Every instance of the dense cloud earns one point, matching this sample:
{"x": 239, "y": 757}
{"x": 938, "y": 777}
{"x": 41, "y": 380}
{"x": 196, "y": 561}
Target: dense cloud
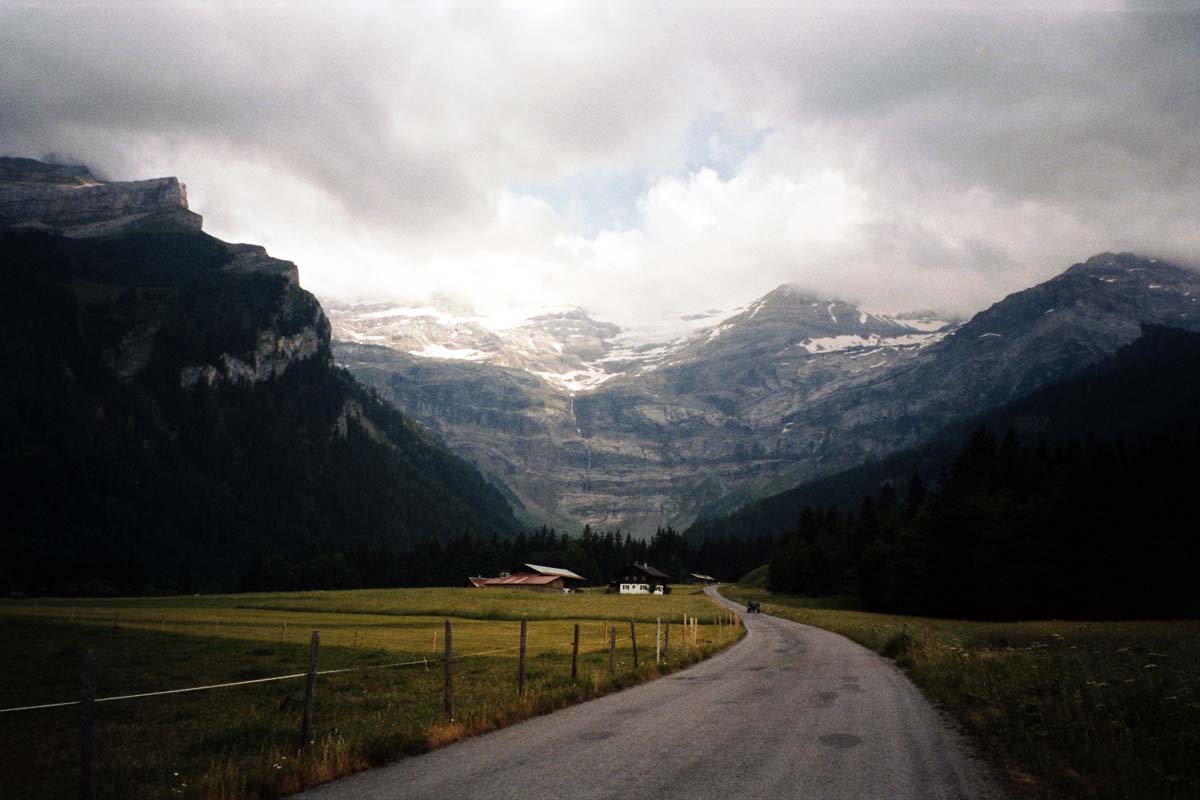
{"x": 632, "y": 159}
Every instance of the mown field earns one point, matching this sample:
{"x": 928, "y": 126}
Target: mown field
{"x": 243, "y": 742}
{"x": 1064, "y": 709}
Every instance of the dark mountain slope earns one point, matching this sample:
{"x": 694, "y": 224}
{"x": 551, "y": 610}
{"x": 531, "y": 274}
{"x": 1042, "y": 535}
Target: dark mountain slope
{"x": 1150, "y": 387}
{"x": 169, "y": 411}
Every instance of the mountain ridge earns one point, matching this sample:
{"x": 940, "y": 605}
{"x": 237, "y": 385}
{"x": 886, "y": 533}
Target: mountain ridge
{"x": 788, "y": 388}
{"x": 1159, "y": 367}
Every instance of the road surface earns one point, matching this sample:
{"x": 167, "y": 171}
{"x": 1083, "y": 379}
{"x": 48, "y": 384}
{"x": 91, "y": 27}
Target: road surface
{"x": 789, "y": 712}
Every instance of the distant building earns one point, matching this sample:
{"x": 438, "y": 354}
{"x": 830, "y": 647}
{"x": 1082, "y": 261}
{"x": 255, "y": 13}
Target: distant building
{"x": 642, "y": 579}
{"x": 697, "y": 577}
{"x": 538, "y": 579}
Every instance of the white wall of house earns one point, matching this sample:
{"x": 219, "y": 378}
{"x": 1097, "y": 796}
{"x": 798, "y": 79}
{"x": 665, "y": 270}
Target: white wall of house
{"x": 640, "y": 588}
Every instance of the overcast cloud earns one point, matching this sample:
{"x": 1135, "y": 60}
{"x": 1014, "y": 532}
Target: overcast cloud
{"x": 631, "y": 159}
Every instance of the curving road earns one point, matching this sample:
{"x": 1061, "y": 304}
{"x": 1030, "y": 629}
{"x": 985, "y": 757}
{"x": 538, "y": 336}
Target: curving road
{"x": 791, "y": 711}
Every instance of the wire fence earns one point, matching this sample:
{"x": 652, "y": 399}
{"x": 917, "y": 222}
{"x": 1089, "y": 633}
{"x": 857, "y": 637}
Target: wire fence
{"x": 87, "y": 701}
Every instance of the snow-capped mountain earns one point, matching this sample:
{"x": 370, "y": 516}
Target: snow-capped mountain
{"x": 557, "y": 344}
{"x": 588, "y": 423}
{"x": 575, "y": 353}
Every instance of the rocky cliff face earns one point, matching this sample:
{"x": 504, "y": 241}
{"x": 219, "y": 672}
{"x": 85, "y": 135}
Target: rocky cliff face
{"x": 172, "y": 417}
{"x": 642, "y": 433}
{"x": 71, "y": 200}
{"x": 789, "y": 388}
{"x": 272, "y": 354}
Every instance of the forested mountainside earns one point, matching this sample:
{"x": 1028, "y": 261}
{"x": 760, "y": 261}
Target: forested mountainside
{"x": 1073, "y": 501}
{"x": 1145, "y": 388}
{"x": 171, "y": 413}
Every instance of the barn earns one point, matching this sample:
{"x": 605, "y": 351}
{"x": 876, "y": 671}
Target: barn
{"x": 642, "y": 579}
{"x": 536, "y": 579}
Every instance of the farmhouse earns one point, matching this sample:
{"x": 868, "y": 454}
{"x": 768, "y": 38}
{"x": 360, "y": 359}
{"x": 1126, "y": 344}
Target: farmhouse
{"x": 537, "y": 579}
{"x": 642, "y": 579}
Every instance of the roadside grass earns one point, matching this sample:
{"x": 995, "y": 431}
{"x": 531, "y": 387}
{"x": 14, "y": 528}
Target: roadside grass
{"x": 1064, "y": 709}
{"x": 242, "y": 742}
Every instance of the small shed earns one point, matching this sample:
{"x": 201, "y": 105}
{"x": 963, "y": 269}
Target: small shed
{"x": 642, "y": 579}
{"x": 537, "y": 579}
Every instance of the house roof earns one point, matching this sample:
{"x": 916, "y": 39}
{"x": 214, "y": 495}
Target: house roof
{"x": 556, "y": 571}
{"x": 646, "y": 569}
{"x": 520, "y": 579}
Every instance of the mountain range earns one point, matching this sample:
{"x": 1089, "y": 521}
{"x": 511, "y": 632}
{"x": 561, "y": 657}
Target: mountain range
{"x": 590, "y": 424}
{"x": 177, "y": 415}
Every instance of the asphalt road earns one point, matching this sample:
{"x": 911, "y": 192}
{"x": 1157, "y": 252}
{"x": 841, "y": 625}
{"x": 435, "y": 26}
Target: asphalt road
{"x": 790, "y": 712}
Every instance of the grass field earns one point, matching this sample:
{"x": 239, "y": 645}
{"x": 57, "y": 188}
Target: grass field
{"x": 242, "y": 742}
{"x": 1065, "y": 709}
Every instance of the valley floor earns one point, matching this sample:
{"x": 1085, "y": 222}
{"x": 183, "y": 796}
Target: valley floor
{"x": 1064, "y": 709}
{"x": 241, "y": 741}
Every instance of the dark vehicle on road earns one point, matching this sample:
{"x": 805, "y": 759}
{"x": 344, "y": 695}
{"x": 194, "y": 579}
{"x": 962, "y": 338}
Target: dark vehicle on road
{"x": 753, "y": 607}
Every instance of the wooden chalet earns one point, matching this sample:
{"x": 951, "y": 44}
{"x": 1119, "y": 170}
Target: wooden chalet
{"x": 537, "y": 579}
{"x": 642, "y": 579}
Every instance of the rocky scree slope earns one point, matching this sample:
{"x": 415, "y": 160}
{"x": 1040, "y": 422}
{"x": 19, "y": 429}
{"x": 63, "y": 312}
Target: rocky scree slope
{"x": 171, "y": 410}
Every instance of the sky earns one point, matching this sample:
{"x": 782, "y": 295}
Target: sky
{"x": 637, "y": 159}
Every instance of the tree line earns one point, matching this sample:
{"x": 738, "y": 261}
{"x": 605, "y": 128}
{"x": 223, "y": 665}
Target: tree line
{"x": 598, "y": 556}
{"x": 1081, "y": 528}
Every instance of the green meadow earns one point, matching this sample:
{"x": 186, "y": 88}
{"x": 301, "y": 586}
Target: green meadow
{"x": 1063, "y": 709}
{"x": 243, "y": 741}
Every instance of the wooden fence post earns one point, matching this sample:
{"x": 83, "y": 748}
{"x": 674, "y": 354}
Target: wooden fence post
{"x": 575, "y": 656}
{"x": 667, "y": 640}
{"x": 310, "y": 688}
{"x": 633, "y": 638}
{"x": 612, "y": 650}
{"x": 87, "y": 710}
{"x": 449, "y": 698}
{"x": 658, "y": 641}
{"x": 521, "y": 663}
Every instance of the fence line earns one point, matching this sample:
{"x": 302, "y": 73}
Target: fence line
{"x": 294, "y": 676}
{"x": 253, "y": 680}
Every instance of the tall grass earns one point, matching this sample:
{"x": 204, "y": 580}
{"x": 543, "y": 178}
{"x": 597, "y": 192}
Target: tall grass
{"x": 242, "y": 742}
{"x": 1065, "y": 709}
